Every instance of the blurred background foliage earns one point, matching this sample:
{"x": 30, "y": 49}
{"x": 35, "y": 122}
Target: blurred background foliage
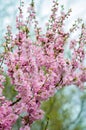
{"x": 67, "y": 109}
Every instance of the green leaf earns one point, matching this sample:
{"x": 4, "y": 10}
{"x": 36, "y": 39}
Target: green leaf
{"x": 44, "y": 69}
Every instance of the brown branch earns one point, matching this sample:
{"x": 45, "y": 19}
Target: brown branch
{"x": 12, "y": 104}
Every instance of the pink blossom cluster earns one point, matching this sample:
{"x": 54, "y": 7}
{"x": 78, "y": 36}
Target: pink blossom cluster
{"x": 38, "y": 68}
{"x": 7, "y": 115}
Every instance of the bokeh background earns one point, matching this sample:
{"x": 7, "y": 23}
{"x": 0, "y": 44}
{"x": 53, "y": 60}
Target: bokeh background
{"x": 72, "y": 108}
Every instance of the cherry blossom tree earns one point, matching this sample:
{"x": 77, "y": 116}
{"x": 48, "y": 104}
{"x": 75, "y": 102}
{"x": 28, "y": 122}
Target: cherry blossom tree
{"x": 38, "y": 68}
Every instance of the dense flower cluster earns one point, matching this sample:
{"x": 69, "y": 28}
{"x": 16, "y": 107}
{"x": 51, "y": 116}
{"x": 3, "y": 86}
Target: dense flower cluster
{"x": 38, "y": 68}
{"x": 7, "y": 115}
